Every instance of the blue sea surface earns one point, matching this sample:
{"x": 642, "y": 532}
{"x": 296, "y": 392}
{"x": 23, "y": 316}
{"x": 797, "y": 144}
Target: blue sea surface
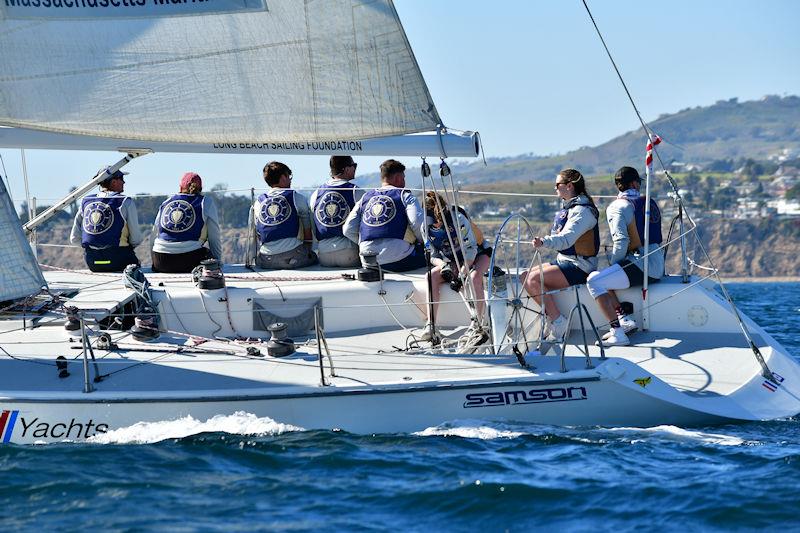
{"x": 245, "y": 474}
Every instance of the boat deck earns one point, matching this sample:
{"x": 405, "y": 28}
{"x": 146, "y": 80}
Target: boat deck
{"x": 365, "y": 357}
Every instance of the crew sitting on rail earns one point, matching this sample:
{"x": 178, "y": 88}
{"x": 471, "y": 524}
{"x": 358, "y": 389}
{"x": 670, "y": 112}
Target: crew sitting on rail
{"x": 626, "y": 216}
{"x": 107, "y": 226}
{"x": 444, "y": 238}
{"x": 184, "y": 222}
{"x": 330, "y": 205}
{"x": 283, "y": 222}
{"x": 387, "y": 222}
{"x": 576, "y": 237}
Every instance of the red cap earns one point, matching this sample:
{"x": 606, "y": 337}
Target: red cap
{"x": 191, "y": 177}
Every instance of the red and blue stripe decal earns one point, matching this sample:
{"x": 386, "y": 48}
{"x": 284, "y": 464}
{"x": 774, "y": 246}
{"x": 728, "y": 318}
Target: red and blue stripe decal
{"x": 772, "y": 385}
{"x": 7, "y": 421}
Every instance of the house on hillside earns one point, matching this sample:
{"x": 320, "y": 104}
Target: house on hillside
{"x": 785, "y": 208}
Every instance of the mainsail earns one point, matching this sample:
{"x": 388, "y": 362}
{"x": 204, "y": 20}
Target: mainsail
{"x": 230, "y": 71}
{"x": 20, "y": 275}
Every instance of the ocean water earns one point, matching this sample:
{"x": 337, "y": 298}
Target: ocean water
{"x": 242, "y": 473}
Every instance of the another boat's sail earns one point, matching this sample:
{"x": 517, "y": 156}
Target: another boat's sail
{"x": 284, "y": 70}
{"x": 19, "y": 273}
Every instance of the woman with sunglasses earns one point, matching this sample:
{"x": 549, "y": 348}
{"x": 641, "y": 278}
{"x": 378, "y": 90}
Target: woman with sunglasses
{"x": 576, "y": 237}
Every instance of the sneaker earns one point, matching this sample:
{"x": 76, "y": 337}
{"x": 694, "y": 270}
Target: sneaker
{"x": 558, "y": 327}
{"x": 617, "y": 337}
{"x": 627, "y": 323}
{"x": 430, "y": 334}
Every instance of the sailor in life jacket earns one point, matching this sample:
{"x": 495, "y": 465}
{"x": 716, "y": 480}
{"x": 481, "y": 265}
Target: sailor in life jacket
{"x": 387, "y": 222}
{"x": 626, "y": 222}
{"x": 576, "y": 237}
{"x": 107, "y": 226}
{"x": 185, "y": 221}
{"x": 330, "y": 206}
{"x": 282, "y": 221}
{"x": 455, "y": 247}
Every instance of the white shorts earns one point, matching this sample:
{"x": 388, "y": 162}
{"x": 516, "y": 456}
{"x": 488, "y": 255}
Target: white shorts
{"x": 611, "y": 278}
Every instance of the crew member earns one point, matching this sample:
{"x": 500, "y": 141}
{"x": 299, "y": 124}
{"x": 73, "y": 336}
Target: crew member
{"x": 576, "y": 238}
{"x": 283, "y": 222}
{"x": 330, "y": 205}
{"x": 387, "y": 222}
{"x": 185, "y": 221}
{"x": 107, "y": 226}
{"x": 626, "y": 220}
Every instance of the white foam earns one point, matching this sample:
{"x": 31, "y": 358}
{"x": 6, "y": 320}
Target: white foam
{"x": 469, "y": 430}
{"x": 239, "y": 423}
{"x": 677, "y": 433}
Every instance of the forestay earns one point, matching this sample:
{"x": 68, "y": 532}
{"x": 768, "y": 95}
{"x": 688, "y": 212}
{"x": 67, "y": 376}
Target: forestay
{"x": 19, "y": 272}
{"x": 230, "y": 71}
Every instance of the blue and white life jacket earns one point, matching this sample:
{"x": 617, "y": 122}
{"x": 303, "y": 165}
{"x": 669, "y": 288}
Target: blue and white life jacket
{"x": 636, "y": 227}
{"x": 276, "y": 216}
{"x": 383, "y": 215}
{"x": 180, "y": 218}
{"x": 102, "y": 220}
{"x": 587, "y": 244}
{"x": 333, "y": 204}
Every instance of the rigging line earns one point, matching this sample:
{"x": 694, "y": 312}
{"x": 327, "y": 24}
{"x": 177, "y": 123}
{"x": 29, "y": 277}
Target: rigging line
{"x": 645, "y": 127}
{"x": 619, "y": 74}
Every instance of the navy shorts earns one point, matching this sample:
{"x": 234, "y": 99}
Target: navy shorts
{"x": 574, "y": 275}
{"x": 635, "y": 274}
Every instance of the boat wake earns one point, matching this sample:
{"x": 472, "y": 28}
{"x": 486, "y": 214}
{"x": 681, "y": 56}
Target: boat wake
{"x": 675, "y": 433}
{"x": 239, "y": 423}
{"x": 486, "y": 430}
{"x": 470, "y": 429}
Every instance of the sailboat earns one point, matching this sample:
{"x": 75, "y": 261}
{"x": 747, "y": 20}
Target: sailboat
{"x": 83, "y": 354}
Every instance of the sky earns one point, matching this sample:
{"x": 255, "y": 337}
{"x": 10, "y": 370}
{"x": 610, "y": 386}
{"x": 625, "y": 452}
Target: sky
{"x": 530, "y": 76}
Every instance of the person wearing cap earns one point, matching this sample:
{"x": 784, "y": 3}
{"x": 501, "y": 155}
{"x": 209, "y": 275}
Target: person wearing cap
{"x": 185, "y": 221}
{"x": 626, "y": 222}
{"x": 387, "y": 222}
{"x": 330, "y": 205}
{"x": 107, "y": 226}
{"x": 282, "y": 220}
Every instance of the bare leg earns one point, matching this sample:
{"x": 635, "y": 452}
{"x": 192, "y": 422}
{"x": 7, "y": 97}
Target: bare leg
{"x": 608, "y": 303}
{"x": 553, "y": 279}
{"x": 479, "y": 268}
{"x": 436, "y": 286}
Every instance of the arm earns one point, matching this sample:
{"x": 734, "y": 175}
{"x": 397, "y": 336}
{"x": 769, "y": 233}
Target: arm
{"x": 212, "y": 225}
{"x": 618, "y": 226}
{"x": 304, "y": 212}
{"x": 351, "y": 224}
{"x": 76, "y": 235}
{"x": 132, "y": 219}
{"x": 579, "y": 221}
{"x": 415, "y": 214}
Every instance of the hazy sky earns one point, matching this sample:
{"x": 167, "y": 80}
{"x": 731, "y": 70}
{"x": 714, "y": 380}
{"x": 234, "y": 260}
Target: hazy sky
{"x": 531, "y": 76}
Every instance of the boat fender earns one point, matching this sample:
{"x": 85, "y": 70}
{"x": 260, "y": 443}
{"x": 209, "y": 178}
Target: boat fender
{"x": 280, "y": 345}
{"x": 61, "y": 366}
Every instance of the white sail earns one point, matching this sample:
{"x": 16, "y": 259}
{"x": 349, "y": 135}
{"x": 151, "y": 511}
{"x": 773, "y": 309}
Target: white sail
{"x": 284, "y": 71}
{"x": 20, "y": 275}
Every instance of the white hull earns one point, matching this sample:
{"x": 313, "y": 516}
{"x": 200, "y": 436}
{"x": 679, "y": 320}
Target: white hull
{"x": 667, "y": 377}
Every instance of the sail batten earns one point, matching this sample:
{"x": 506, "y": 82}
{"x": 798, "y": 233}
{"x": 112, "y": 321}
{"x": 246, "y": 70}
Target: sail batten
{"x": 293, "y": 72}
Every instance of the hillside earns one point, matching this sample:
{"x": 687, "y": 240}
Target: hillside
{"x": 726, "y": 130}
